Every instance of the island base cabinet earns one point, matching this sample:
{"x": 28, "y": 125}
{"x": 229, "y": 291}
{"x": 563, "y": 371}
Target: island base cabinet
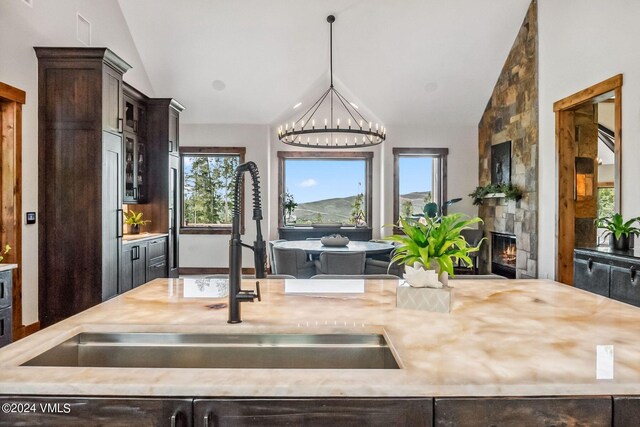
{"x": 83, "y": 412}
{"x": 626, "y": 411}
{"x": 313, "y": 412}
{"x": 530, "y": 412}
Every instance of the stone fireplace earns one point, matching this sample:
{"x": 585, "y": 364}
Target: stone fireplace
{"x": 512, "y": 115}
{"x": 503, "y": 254}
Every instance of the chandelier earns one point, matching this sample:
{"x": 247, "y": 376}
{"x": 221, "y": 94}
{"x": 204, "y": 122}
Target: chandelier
{"x": 342, "y": 125}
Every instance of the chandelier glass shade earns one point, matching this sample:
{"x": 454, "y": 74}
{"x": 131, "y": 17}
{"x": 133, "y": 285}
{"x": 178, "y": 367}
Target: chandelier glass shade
{"x": 332, "y": 121}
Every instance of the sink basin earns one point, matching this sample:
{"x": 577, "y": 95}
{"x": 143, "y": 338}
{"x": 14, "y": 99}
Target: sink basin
{"x": 260, "y": 351}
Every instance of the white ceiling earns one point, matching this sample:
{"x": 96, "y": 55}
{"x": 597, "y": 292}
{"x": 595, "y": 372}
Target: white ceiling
{"x": 409, "y": 62}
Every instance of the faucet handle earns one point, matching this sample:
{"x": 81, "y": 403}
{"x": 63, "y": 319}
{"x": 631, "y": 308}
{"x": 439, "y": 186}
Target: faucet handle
{"x": 258, "y": 290}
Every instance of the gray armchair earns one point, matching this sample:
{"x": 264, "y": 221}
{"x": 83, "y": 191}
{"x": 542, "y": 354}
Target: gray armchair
{"x": 377, "y": 266}
{"x": 293, "y": 262}
{"x": 341, "y": 263}
{"x": 272, "y": 259}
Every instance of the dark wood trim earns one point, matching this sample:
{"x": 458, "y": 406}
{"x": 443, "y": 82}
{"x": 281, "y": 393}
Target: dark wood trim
{"x": 11, "y": 100}
{"x": 439, "y": 153}
{"x": 206, "y": 230}
{"x": 565, "y": 165}
{"x": 593, "y": 94}
{"x": 186, "y": 271}
{"x": 231, "y": 151}
{"x": 606, "y": 184}
{"x": 13, "y": 94}
{"x": 325, "y": 154}
{"x": 25, "y": 330}
{"x": 319, "y": 155}
{"x": 242, "y": 151}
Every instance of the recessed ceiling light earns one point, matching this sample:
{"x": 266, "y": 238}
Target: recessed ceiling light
{"x": 218, "y": 85}
{"x": 354, "y": 105}
{"x": 297, "y": 105}
{"x": 431, "y": 87}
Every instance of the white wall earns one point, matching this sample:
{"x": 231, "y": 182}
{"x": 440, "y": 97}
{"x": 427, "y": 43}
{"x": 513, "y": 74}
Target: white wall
{"x": 212, "y": 250}
{"x": 51, "y": 23}
{"x": 583, "y": 43}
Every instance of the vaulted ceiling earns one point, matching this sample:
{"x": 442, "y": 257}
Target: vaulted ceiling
{"x": 409, "y": 62}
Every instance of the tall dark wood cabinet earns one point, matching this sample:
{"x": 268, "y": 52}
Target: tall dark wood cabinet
{"x": 163, "y": 115}
{"x": 80, "y": 116}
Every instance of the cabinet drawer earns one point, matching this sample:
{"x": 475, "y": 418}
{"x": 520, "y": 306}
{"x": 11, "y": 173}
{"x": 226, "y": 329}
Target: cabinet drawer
{"x": 537, "y": 411}
{"x": 157, "y": 250}
{"x": 625, "y": 285}
{"x": 591, "y": 276}
{"x": 5, "y": 326}
{"x": 157, "y": 271}
{"x": 5, "y": 288}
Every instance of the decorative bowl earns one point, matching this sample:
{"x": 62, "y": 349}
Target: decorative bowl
{"x": 335, "y": 240}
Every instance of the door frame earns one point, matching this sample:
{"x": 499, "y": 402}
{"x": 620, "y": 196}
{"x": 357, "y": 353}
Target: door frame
{"x": 11, "y": 101}
{"x": 565, "y": 165}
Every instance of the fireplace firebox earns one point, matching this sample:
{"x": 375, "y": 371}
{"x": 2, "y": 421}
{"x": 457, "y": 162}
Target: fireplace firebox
{"x": 503, "y": 254}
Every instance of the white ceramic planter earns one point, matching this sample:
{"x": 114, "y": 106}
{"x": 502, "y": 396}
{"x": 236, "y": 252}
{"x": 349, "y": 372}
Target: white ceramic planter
{"x": 419, "y": 277}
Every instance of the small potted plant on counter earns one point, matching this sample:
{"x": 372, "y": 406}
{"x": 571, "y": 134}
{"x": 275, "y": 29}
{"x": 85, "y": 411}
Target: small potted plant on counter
{"x": 620, "y": 232}
{"x": 428, "y": 248}
{"x": 134, "y": 221}
{"x": 4, "y": 251}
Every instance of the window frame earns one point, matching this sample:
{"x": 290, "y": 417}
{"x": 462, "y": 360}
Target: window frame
{"x": 367, "y": 156}
{"x": 440, "y": 154}
{"x": 210, "y": 151}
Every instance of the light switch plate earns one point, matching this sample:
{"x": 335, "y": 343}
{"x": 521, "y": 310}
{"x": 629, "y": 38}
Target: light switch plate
{"x": 31, "y": 218}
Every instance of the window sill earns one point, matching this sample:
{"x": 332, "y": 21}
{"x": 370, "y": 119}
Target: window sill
{"x": 206, "y": 230}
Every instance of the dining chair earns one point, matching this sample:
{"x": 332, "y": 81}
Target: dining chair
{"x": 356, "y": 276}
{"x": 272, "y": 259}
{"x": 378, "y": 266}
{"x": 293, "y": 262}
{"x": 341, "y": 263}
{"x": 473, "y": 238}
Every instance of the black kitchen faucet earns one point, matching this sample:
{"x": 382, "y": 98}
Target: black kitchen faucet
{"x": 236, "y": 294}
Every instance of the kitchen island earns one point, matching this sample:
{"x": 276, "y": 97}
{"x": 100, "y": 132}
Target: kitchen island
{"x": 506, "y": 344}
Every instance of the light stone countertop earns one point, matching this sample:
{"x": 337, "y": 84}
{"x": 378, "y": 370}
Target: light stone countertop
{"x": 6, "y": 267}
{"x": 502, "y": 338}
{"x": 130, "y": 238}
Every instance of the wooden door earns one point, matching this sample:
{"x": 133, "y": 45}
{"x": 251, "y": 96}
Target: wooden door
{"x": 112, "y": 98}
{"x": 111, "y": 214}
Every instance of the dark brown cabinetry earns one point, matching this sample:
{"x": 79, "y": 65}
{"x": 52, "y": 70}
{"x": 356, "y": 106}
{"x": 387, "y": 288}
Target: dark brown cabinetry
{"x": 134, "y": 265}
{"x": 610, "y": 273}
{"x": 6, "y": 313}
{"x": 522, "y": 411}
{"x": 142, "y": 261}
{"x": 90, "y": 411}
{"x": 134, "y": 151}
{"x": 313, "y": 412}
{"x": 80, "y": 107}
{"x": 164, "y": 195}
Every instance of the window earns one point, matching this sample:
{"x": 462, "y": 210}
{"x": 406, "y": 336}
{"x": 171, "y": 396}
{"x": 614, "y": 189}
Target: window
{"x": 419, "y": 177}
{"x": 207, "y": 188}
{"x": 325, "y": 188}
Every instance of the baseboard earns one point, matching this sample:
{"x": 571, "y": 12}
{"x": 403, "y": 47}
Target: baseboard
{"x": 26, "y": 330}
{"x": 186, "y": 271}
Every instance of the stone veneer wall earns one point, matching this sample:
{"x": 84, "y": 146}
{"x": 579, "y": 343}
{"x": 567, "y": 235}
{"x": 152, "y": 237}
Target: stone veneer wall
{"x": 512, "y": 115}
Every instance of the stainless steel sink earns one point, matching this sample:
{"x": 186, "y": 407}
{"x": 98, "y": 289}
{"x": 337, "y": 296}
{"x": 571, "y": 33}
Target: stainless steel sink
{"x": 177, "y": 350}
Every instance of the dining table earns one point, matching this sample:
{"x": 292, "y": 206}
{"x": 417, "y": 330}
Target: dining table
{"x": 315, "y": 247}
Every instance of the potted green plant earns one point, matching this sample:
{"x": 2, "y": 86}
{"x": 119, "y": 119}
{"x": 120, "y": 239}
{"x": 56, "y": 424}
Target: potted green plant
{"x": 288, "y": 205}
{"x": 4, "y": 251}
{"x": 620, "y": 232}
{"x": 134, "y": 221}
{"x": 429, "y": 248}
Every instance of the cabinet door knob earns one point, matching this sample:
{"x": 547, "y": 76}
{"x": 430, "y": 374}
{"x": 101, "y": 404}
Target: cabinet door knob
{"x": 205, "y": 420}
{"x": 590, "y": 264}
{"x": 632, "y": 273}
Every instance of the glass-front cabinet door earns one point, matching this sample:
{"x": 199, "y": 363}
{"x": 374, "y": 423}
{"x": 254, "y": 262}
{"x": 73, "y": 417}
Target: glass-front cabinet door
{"x": 134, "y": 169}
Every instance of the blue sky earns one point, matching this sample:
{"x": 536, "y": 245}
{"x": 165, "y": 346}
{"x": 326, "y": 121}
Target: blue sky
{"x": 311, "y": 180}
